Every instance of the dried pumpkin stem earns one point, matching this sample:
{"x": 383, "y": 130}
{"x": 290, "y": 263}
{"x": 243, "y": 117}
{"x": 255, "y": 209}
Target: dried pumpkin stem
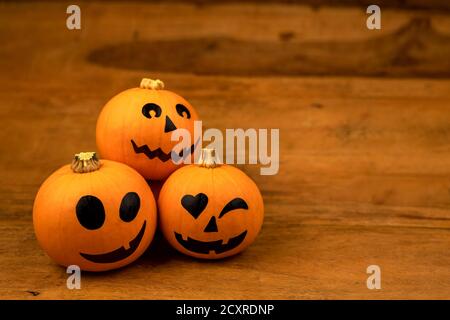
{"x": 208, "y": 159}
{"x": 84, "y": 162}
{"x": 151, "y": 84}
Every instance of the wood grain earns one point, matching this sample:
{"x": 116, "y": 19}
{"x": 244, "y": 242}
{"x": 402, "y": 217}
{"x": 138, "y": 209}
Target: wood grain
{"x": 364, "y": 161}
{"x": 416, "y": 49}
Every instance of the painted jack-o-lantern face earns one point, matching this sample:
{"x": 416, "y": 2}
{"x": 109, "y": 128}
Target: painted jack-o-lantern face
{"x": 210, "y": 211}
{"x": 99, "y": 217}
{"x": 135, "y": 128}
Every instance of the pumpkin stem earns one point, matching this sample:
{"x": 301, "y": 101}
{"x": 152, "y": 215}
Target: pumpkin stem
{"x": 207, "y": 158}
{"x": 151, "y": 84}
{"x": 85, "y": 162}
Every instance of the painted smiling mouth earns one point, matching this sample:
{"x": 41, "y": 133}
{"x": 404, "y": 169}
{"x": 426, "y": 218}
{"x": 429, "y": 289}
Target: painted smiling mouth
{"x": 118, "y": 254}
{"x": 207, "y": 246}
{"x": 161, "y": 155}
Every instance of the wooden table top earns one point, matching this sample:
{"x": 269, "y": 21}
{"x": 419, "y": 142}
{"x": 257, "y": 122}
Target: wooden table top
{"x": 364, "y": 119}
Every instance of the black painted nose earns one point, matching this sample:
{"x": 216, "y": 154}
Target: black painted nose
{"x": 169, "y": 125}
{"x": 211, "y": 226}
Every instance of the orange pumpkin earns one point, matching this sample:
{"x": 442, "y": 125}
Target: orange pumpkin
{"x": 135, "y": 128}
{"x": 209, "y": 210}
{"x": 97, "y": 215}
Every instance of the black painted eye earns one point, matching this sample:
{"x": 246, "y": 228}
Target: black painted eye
{"x": 195, "y": 205}
{"x": 236, "y": 203}
{"x": 90, "y": 212}
{"x": 183, "y": 111}
{"x": 129, "y": 207}
{"x": 150, "y": 110}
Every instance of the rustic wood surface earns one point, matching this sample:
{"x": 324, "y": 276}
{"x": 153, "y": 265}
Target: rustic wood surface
{"x": 364, "y": 119}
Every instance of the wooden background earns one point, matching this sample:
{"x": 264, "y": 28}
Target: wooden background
{"x": 364, "y": 119}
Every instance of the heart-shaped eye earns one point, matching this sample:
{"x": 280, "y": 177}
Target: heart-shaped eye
{"x": 195, "y": 205}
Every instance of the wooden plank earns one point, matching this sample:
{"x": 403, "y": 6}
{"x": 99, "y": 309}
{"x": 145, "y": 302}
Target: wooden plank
{"x": 398, "y": 4}
{"x": 416, "y": 49}
{"x": 365, "y": 161}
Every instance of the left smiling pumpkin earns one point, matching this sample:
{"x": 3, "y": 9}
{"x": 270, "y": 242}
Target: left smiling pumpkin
{"x": 97, "y": 215}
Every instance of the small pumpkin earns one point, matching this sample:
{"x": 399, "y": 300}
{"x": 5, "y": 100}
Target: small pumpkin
{"x": 97, "y": 215}
{"x": 135, "y": 128}
{"x": 209, "y": 210}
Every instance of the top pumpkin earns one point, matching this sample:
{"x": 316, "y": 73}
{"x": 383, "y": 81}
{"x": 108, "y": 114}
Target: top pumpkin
{"x": 135, "y": 127}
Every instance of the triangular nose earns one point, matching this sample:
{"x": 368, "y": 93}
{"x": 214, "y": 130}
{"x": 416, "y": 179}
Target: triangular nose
{"x": 212, "y": 225}
{"x": 169, "y": 125}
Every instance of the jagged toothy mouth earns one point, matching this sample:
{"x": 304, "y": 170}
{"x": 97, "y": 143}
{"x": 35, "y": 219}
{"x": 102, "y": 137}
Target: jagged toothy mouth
{"x": 161, "y": 155}
{"x": 206, "y": 247}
